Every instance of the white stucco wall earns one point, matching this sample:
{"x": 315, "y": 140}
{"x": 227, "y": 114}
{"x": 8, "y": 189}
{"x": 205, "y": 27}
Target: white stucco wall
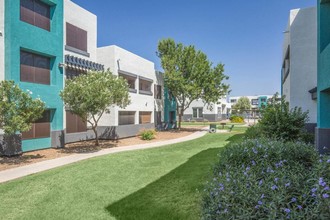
{"x": 116, "y": 58}
{"x": 303, "y": 60}
{"x": 199, "y": 104}
{"x": 2, "y": 39}
{"x": 286, "y": 88}
{"x": 80, "y": 17}
{"x": 218, "y": 109}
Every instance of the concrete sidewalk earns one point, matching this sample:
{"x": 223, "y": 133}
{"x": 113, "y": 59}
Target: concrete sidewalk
{"x": 18, "y": 172}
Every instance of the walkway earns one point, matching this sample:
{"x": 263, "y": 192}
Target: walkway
{"x": 18, "y": 172}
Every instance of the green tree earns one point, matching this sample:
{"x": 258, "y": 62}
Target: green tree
{"x": 92, "y": 94}
{"x": 280, "y": 122}
{"x": 18, "y": 110}
{"x": 189, "y": 75}
{"x": 243, "y": 104}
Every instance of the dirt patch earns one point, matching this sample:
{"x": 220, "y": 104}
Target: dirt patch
{"x": 88, "y": 147}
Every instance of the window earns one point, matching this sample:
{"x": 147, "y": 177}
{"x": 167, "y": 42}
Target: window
{"x": 197, "y": 112}
{"x": 72, "y": 73}
{"x": 145, "y": 117}
{"x": 172, "y": 116}
{"x": 170, "y": 96}
{"x": 35, "y": 68}
{"x": 263, "y": 100}
{"x": 158, "y": 91}
{"x": 233, "y": 100}
{"x": 76, "y": 37}
{"x": 145, "y": 87}
{"x": 36, "y": 13}
{"x": 74, "y": 123}
{"x": 40, "y": 129}
{"x": 254, "y": 102}
{"x": 158, "y": 117}
{"x": 131, "y": 82}
{"x": 126, "y": 118}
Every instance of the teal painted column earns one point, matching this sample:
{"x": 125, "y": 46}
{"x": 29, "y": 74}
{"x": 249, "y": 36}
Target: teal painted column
{"x": 169, "y": 106}
{"x": 322, "y": 134}
{"x": 21, "y": 35}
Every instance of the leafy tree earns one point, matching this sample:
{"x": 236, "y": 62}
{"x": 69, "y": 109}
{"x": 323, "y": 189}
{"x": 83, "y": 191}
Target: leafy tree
{"x": 243, "y": 104}
{"x": 92, "y": 94}
{"x": 17, "y": 108}
{"x": 189, "y": 75}
{"x": 280, "y": 122}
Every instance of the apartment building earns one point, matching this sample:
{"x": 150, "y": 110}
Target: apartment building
{"x": 145, "y": 91}
{"x": 42, "y": 43}
{"x": 322, "y": 136}
{"x": 199, "y": 111}
{"x": 32, "y": 49}
{"x": 299, "y": 65}
{"x": 256, "y": 101}
{"x": 80, "y": 56}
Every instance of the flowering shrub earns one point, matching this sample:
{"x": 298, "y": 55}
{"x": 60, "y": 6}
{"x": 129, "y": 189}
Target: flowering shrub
{"x": 236, "y": 119}
{"x": 148, "y": 134}
{"x": 278, "y": 121}
{"x": 264, "y": 179}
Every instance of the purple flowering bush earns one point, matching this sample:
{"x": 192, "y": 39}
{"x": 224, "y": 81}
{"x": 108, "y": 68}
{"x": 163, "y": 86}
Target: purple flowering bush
{"x": 265, "y": 179}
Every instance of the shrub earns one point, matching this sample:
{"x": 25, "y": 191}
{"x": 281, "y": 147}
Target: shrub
{"x": 278, "y": 121}
{"x": 265, "y": 179}
{"x": 253, "y": 132}
{"x": 148, "y": 134}
{"x": 236, "y": 119}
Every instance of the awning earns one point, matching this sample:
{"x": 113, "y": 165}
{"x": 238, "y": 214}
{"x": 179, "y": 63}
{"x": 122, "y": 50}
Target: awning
{"x": 82, "y": 64}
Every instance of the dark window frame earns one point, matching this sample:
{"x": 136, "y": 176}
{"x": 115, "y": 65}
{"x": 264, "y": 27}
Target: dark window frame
{"x": 199, "y": 112}
{"x": 76, "y": 124}
{"x": 127, "y": 120}
{"x": 36, "y": 12}
{"x": 158, "y": 91}
{"x": 131, "y": 80}
{"x": 42, "y": 125}
{"x": 35, "y": 68}
{"x": 143, "y": 115}
{"x": 76, "y": 38}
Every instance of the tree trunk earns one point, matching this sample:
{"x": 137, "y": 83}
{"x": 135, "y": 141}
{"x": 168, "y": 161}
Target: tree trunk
{"x": 181, "y": 111}
{"x": 96, "y": 136}
{"x": 180, "y": 118}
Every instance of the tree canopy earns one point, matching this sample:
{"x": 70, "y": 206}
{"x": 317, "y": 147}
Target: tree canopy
{"x": 189, "y": 75}
{"x": 243, "y": 104}
{"x": 91, "y": 95}
{"x": 18, "y": 110}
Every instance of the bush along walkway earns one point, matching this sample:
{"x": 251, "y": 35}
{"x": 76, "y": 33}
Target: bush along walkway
{"x": 18, "y": 172}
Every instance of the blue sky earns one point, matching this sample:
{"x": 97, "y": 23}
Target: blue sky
{"x": 244, "y": 35}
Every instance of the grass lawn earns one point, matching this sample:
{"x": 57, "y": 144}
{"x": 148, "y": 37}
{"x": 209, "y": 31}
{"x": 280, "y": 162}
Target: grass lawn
{"x": 160, "y": 183}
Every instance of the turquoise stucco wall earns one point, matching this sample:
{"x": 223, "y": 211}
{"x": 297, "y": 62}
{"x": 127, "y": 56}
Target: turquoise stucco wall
{"x": 21, "y": 35}
{"x": 168, "y": 106}
{"x": 260, "y": 103}
{"x": 323, "y": 76}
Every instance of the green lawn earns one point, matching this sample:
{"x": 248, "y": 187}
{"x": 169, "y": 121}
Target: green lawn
{"x": 160, "y": 183}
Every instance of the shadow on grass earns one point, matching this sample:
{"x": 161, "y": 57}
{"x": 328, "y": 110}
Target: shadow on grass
{"x": 174, "y": 196}
{"x": 235, "y": 138}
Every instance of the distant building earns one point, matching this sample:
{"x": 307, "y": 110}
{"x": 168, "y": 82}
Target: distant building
{"x": 198, "y": 111}
{"x": 299, "y": 63}
{"x": 256, "y": 101}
